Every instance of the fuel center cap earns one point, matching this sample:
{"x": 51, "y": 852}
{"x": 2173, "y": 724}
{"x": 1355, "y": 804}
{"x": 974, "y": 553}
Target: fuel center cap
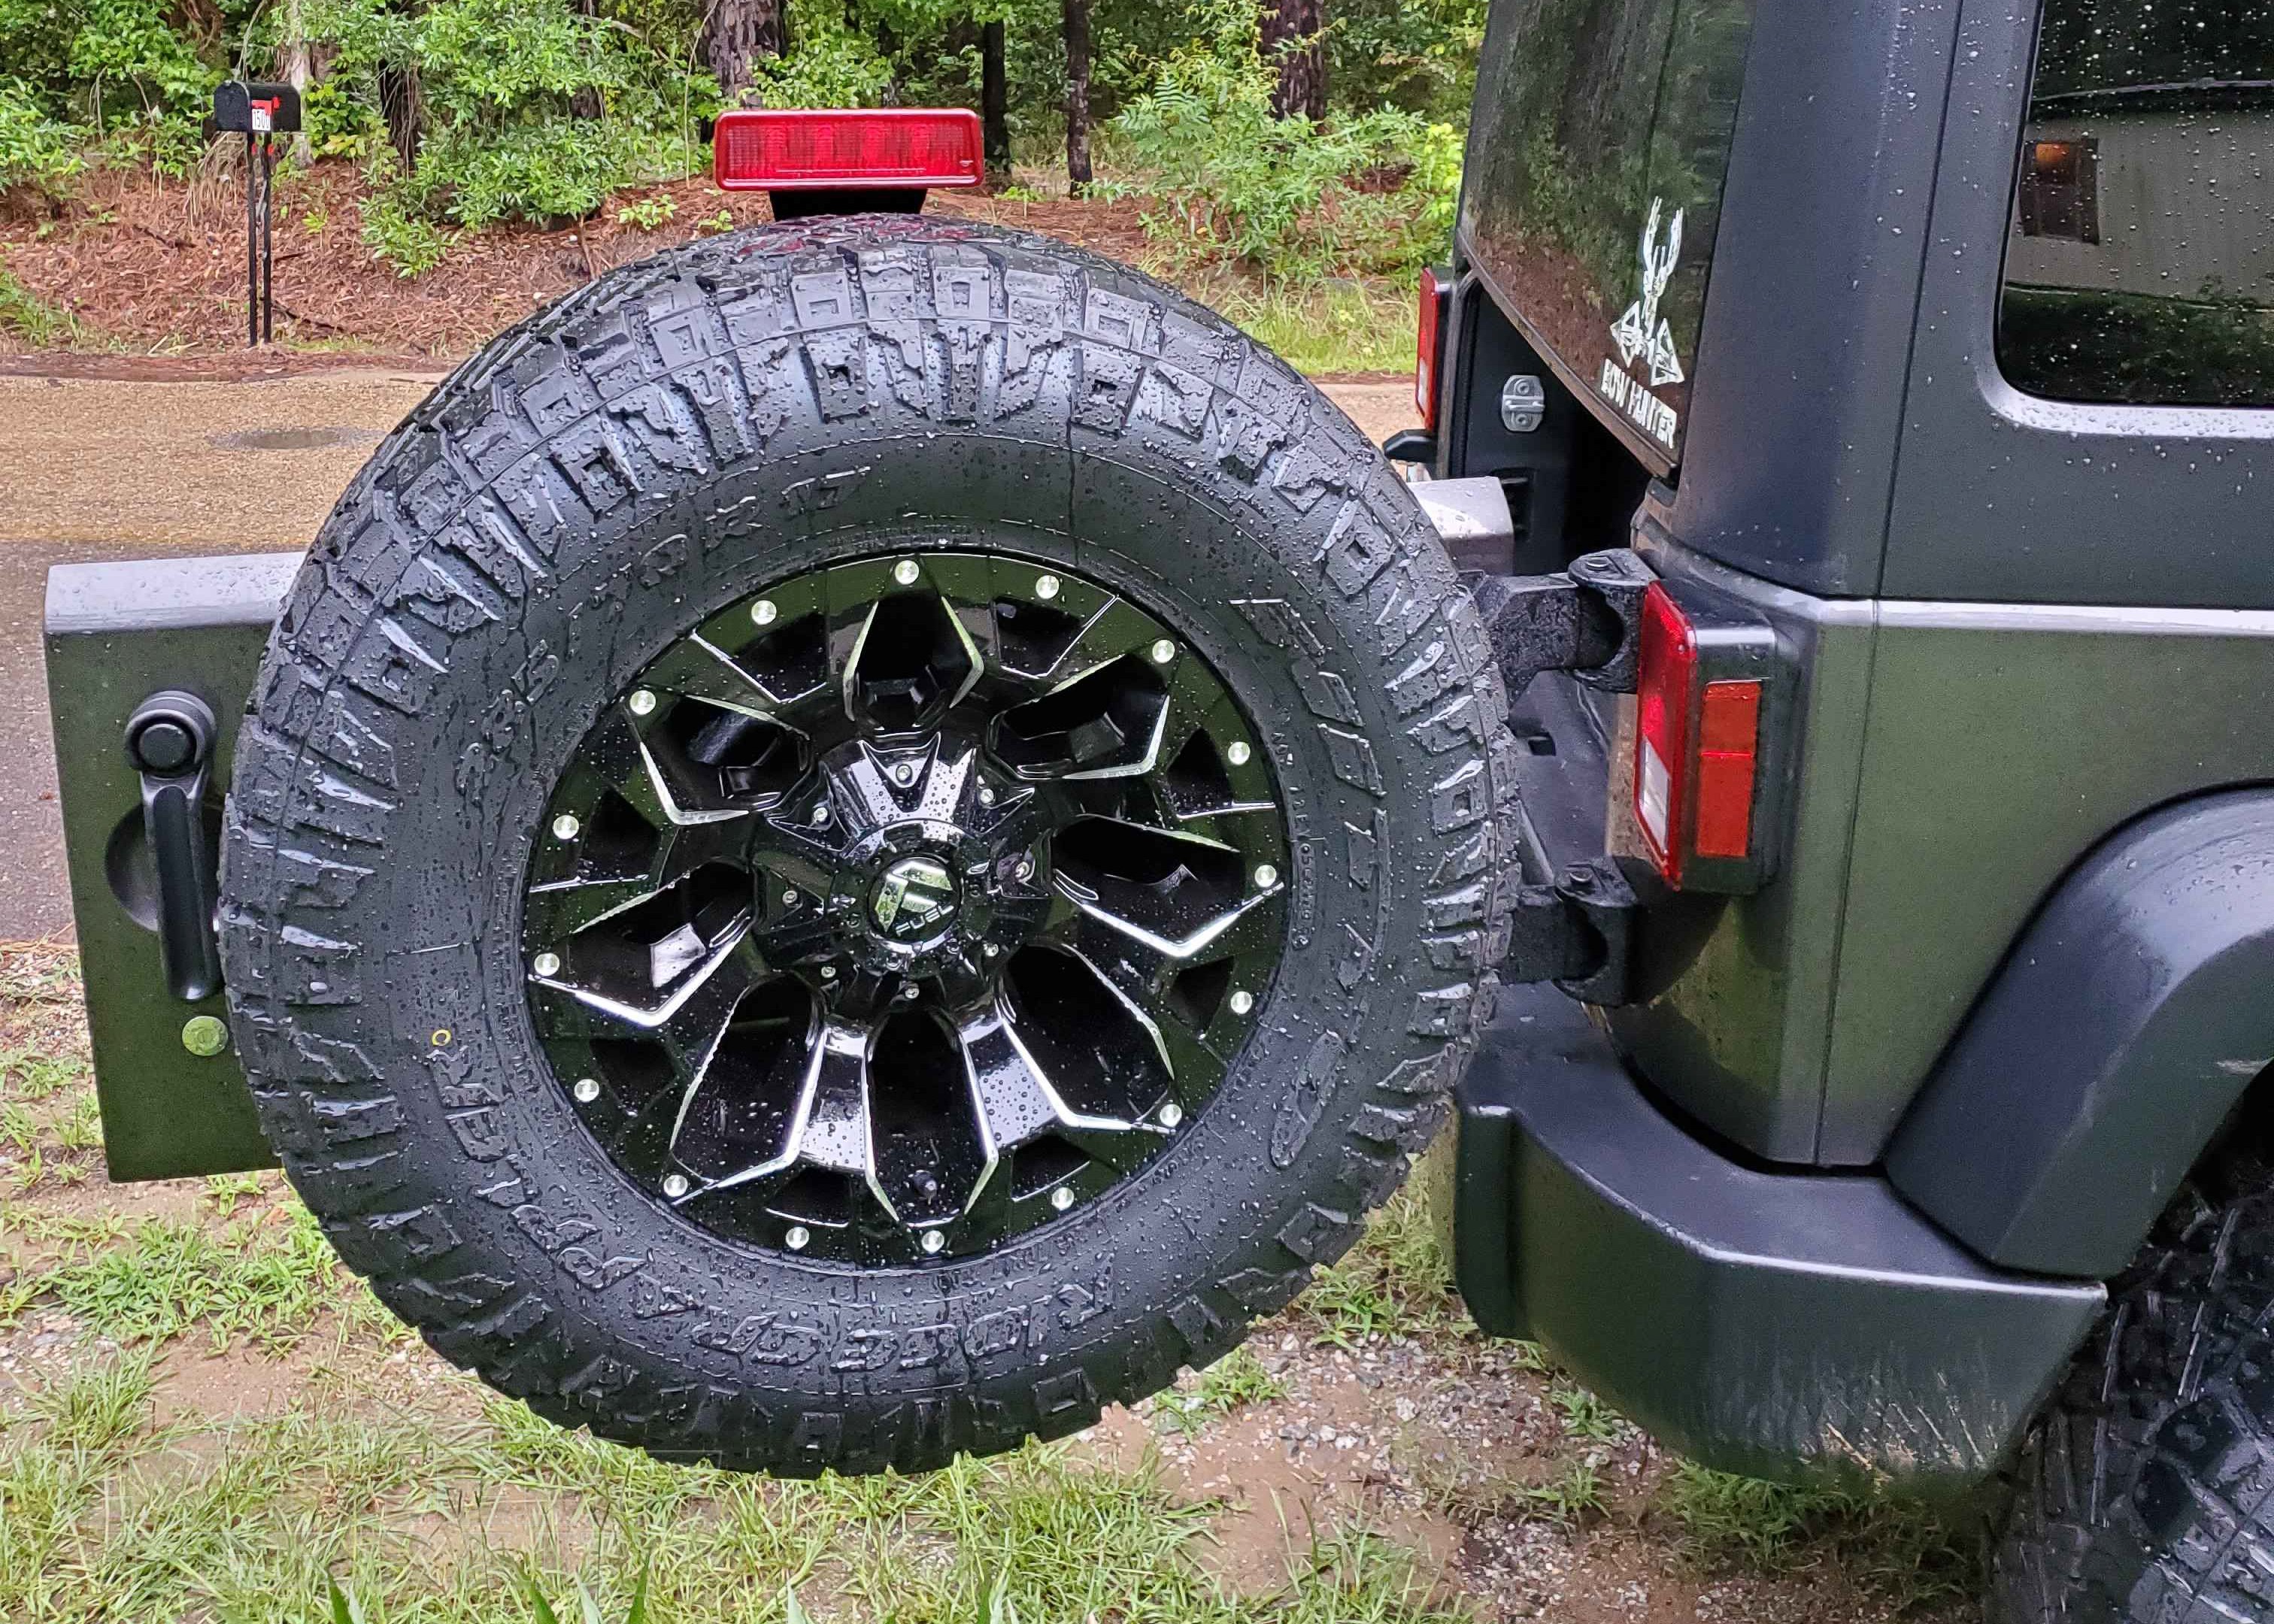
{"x": 914, "y": 899}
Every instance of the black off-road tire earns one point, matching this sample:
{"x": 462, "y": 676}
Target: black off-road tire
{"x": 666, "y": 443}
{"x": 2146, "y": 1489}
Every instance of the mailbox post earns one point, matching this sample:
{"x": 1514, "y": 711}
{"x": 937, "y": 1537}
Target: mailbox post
{"x": 262, "y": 112}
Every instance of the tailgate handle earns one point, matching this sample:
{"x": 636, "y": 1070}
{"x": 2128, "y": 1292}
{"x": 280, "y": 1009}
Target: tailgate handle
{"x": 170, "y": 738}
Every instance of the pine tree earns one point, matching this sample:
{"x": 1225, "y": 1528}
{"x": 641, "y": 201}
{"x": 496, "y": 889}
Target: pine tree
{"x": 736, "y": 32}
{"x": 1293, "y": 41}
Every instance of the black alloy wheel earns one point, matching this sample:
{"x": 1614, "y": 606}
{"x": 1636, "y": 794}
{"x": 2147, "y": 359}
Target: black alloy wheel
{"x": 904, "y": 905}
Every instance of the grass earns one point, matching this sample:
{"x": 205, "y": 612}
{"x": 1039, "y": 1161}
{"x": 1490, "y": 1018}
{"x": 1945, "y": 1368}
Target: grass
{"x": 1233, "y": 1382}
{"x": 266, "y": 1278}
{"x": 1342, "y": 326}
{"x": 1398, "y": 1278}
{"x": 25, "y": 315}
{"x": 104, "y": 1514}
{"x": 1919, "y": 1555}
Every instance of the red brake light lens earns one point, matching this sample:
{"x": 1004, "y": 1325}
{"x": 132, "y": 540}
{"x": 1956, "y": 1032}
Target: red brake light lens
{"x": 766, "y": 149}
{"x": 1667, "y": 672}
{"x": 1696, "y": 746}
{"x": 1429, "y": 343}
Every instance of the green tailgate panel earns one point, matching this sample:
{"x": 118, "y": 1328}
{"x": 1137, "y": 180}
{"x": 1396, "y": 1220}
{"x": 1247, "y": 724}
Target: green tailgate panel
{"x": 116, "y": 633}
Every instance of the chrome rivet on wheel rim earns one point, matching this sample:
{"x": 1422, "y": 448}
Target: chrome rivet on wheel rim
{"x": 1237, "y": 753}
{"x": 884, "y": 834}
{"x": 1242, "y": 1002}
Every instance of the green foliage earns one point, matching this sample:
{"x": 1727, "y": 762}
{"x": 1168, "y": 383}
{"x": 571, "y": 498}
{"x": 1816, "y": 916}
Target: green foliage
{"x": 830, "y": 63}
{"x": 82, "y": 71}
{"x": 1418, "y": 55}
{"x": 1370, "y": 193}
{"x": 1233, "y": 1382}
{"x": 25, "y": 315}
{"x": 166, "y": 1277}
{"x": 648, "y": 213}
{"x": 36, "y": 150}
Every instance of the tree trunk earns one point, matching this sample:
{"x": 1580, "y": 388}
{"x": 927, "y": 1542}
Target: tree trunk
{"x": 405, "y": 107}
{"x": 995, "y": 102}
{"x": 293, "y": 57}
{"x": 1293, "y": 41}
{"x": 1077, "y": 100}
{"x": 585, "y": 102}
{"x": 736, "y": 32}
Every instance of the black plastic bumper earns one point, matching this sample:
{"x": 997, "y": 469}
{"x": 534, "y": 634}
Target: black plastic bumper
{"x": 1780, "y": 1324}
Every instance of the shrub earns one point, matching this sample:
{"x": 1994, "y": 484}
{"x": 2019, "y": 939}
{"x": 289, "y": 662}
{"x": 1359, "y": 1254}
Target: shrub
{"x": 1368, "y": 194}
{"x": 36, "y": 150}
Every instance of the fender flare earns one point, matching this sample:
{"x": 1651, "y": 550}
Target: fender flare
{"x": 2129, "y": 1018}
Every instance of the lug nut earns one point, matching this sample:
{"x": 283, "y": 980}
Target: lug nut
{"x": 1046, "y": 586}
{"x": 904, "y": 572}
{"x": 911, "y": 992}
{"x": 1164, "y": 651}
{"x": 1171, "y": 1114}
{"x": 1242, "y": 1002}
{"x": 1061, "y": 1197}
{"x": 829, "y": 973}
{"x": 796, "y": 1236}
{"x": 1025, "y": 871}
{"x": 821, "y": 817}
{"x": 763, "y": 612}
{"x": 674, "y": 1184}
{"x": 1237, "y": 753}
{"x": 642, "y": 702}
{"x": 986, "y": 796}
{"x": 1266, "y": 876}
{"x": 587, "y": 1090}
{"x": 546, "y": 964}
{"x": 991, "y": 949}
{"x": 933, "y": 1240}
{"x": 905, "y": 774}
{"x": 566, "y": 827}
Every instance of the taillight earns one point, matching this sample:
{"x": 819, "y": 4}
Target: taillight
{"x": 904, "y": 148}
{"x": 1696, "y": 746}
{"x": 1436, "y": 293}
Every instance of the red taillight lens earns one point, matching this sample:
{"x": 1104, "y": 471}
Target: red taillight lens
{"x": 1435, "y": 292}
{"x": 1696, "y": 747}
{"x": 763, "y": 149}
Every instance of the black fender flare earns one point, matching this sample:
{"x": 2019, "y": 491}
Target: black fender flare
{"x": 2129, "y": 1018}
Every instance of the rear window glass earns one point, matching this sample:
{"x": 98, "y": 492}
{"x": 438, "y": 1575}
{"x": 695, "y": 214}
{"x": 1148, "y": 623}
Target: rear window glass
{"x": 2140, "y": 255}
{"x": 1596, "y": 156}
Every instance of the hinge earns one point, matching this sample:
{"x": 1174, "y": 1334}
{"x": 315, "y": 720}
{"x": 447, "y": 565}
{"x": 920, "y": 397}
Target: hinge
{"x": 1577, "y": 932}
{"x": 1584, "y": 620}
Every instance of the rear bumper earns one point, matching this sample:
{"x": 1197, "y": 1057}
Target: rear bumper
{"x": 1775, "y": 1323}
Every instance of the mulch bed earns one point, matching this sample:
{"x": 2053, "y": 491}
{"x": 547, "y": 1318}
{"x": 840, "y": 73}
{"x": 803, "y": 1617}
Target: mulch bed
{"x": 154, "y": 268}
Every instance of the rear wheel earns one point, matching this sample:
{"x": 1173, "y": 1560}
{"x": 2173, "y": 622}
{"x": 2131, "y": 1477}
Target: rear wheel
{"x": 862, "y": 839}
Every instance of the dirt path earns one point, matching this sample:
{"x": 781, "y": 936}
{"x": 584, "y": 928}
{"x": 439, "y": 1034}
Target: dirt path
{"x": 106, "y": 467}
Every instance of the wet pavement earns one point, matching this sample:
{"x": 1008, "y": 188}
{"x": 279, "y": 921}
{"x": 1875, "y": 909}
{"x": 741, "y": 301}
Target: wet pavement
{"x": 108, "y": 469}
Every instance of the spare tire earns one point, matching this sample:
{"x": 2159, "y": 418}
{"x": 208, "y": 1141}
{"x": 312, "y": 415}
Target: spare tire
{"x": 862, "y": 838}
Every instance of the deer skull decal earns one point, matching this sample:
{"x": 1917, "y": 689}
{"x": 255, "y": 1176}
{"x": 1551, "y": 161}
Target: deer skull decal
{"x": 1641, "y": 330}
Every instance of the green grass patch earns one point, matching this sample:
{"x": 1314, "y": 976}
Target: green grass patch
{"x": 1345, "y": 325}
{"x": 265, "y": 1281}
{"x": 1918, "y": 1554}
{"x": 32, "y": 318}
{"x": 1398, "y": 1278}
{"x": 1233, "y": 1382}
{"x": 414, "y": 1518}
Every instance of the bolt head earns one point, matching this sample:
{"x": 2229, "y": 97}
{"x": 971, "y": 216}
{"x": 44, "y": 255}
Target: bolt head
{"x": 642, "y": 702}
{"x": 933, "y": 1240}
{"x": 796, "y": 1237}
{"x": 587, "y": 1090}
{"x": 904, "y": 572}
{"x": 905, "y": 774}
{"x": 789, "y": 899}
{"x": 911, "y": 992}
{"x": 546, "y": 964}
{"x": 1266, "y": 876}
{"x": 1061, "y": 1197}
{"x": 674, "y": 1184}
{"x": 566, "y": 827}
{"x": 763, "y": 612}
{"x": 1046, "y": 586}
{"x": 1171, "y": 1114}
{"x": 1025, "y": 869}
{"x": 992, "y": 949}
{"x": 986, "y": 796}
{"x": 829, "y": 973}
{"x": 821, "y": 816}
{"x": 1237, "y": 753}
{"x": 1164, "y": 651}
{"x": 205, "y": 1035}
{"x": 1242, "y": 1002}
